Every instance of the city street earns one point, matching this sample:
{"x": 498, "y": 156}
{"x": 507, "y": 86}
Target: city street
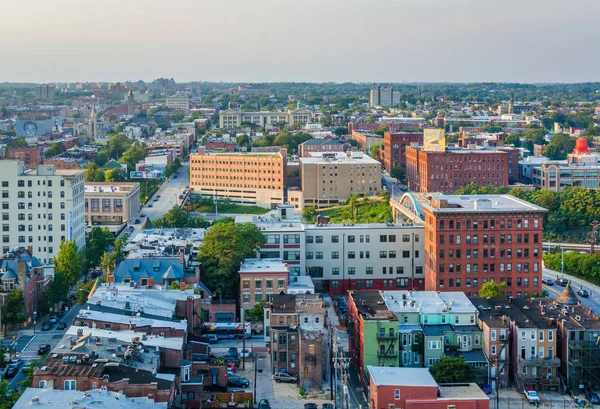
{"x": 593, "y": 301}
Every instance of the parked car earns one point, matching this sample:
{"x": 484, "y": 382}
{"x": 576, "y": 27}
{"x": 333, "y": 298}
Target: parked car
{"x": 532, "y": 396}
{"x": 310, "y": 406}
{"x": 548, "y": 281}
{"x": 245, "y": 353}
{"x": 61, "y": 326}
{"x": 14, "y": 367}
{"x": 583, "y": 293}
{"x": 47, "y": 326}
{"x": 212, "y": 338}
{"x": 156, "y": 199}
{"x": 593, "y": 398}
{"x": 230, "y": 359}
{"x": 137, "y": 221}
{"x": 233, "y": 352}
{"x": 238, "y": 381}
{"x": 264, "y": 404}
{"x": 53, "y": 319}
{"x": 44, "y": 349}
{"x": 284, "y": 377}
{"x": 149, "y": 204}
{"x": 327, "y": 406}
{"x": 486, "y": 388}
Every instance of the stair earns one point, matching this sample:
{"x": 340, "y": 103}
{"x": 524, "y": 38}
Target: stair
{"x": 520, "y": 385}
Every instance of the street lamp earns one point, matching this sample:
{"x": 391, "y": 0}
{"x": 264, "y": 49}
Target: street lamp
{"x": 34, "y": 321}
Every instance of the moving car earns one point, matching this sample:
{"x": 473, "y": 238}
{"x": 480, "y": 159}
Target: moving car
{"x": 532, "y": 396}
{"x": 44, "y": 349}
{"x": 583, "y": 293}
{"x": 212, "y": 338}
{"x": 61, "y": 325}
{"x": 238, "y": 381}
{"x": 562, "y": 282}
{"x": 245, "y": 353}
{"x": 284, "y": 377}
{"x": 548, "y": 281}
{"x": 47, "y": 326}
{"x": 53, "y": 319}
{"x": 593, "y": 398}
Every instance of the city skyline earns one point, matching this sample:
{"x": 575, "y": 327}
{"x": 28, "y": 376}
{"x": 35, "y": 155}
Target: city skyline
{"x": 312, "y": 41}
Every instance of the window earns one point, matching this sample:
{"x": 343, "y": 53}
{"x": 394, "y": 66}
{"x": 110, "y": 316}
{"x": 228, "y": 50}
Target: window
{"x": 351, "y": 270}
{"x": 493, "y": 335}
{"x": 392, "y": 254}
{"x": 351, "y": 254}
{"x": 383, "y": 238}
{"x": 405, "y": 254}
{"x": 319, "y": 239}
{"x": 493, "y": 349}
{"x": 42, "y": 384}
{"x": 383, "y": 254}
{"x": 369, "y": 270}
{"x": 405, "y": 238}
{"x": 541, "y": 335}
{"x": 309, "y": 239}
{"x": 280, "y": 283}
{"x": 335, "y": 255}
{"x": 70, "y": 385}
{"x": 309, "y": 255}
{"x": 550, "y": 335}
{"x": 351, "y": 239}
{"x": 396, "y": 394}
{"x": 335, "y": 239}
{"x": 335, "y": 271}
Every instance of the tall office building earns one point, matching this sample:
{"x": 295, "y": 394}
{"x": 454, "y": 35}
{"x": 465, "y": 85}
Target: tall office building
{"x": 44, "y": 91}
{"x": 41, "y": 208}
{"x": 473, "y": 239}
{"x": 383, "y": 97}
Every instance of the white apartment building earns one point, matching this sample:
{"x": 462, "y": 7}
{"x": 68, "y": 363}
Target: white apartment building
{"x": 234, "y": 118}
{"x": 342, "y": 257}
{"x": 41, "y": 208}
{"x": 178, "y": 103}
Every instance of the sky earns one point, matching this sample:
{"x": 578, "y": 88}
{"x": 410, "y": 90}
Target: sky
{"x": 300, "y": 41}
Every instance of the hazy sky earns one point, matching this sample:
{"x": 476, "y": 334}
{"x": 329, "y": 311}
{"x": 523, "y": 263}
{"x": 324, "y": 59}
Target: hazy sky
{"x": 301, "y": 40}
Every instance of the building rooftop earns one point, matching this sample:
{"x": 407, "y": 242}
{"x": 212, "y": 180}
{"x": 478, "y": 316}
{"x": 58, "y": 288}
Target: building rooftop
{"x": 483, "y": 203}
{"x": 133, "y": 322}
{"x": 356, "y": 158}
{"x": 283, "y": 303}
{"x": 371, "y": 306}
{"x": 525, "y": 313}
{"x": 263, "y": 265}
{"x": 162, "y": 270}
{"x": 301, "y": 285}
{"x": 61, "y": 399}
{"x": 573, "y": 317}
{"x": 462, "y": 392}
{"x": 392, "y": 376}
{"x": 427, "y": 302}
{"x": 162, "y": 242}
{"x": 110, "y": 187}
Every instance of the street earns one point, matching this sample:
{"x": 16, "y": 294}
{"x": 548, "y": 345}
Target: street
{"x": 169, "y": 193}
{"x": 593, "y": 301}
{"x": 26, "y": 346}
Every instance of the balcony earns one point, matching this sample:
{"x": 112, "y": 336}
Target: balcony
{"x": 386, "y": 336}
{"x": 543, "y": 362}
{"x": 387, "y": 354}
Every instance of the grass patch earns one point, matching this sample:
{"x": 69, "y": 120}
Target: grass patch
{"x": 373, "y": 210}
{"x": 226, "y": 206}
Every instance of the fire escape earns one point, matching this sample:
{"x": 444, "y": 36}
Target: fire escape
{"x": 386, "y": 342}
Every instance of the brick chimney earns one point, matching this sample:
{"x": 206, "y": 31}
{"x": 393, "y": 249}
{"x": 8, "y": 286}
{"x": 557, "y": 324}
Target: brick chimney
{"x": 110, "y": 278}
{"x": 182, "y": 259}
{"x": 151, "y": 282}
{"x": 182, "y": 286}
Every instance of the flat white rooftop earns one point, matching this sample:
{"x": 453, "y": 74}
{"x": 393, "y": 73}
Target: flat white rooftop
{"x": 126, "y": 336}
{"x": 59, "y": 399}
{"x": 128, "y": 319}
{"x": 392, "y": 376}
{"x": 483, "y": 203}
{"x": 263, "y": 265}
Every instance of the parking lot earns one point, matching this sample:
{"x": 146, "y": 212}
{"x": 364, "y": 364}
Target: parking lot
{"x": 511, "y": 398}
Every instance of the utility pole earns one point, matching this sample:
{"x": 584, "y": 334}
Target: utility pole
{"x": 342, "y": 363}
{"x": 255, "y": 376}
{"x": 244, "y": 349}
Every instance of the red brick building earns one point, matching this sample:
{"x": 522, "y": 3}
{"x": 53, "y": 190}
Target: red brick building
{"x": 32, "y": 156}
{"x": 320, "y": 145}
{"x": 62, "y": 163}
{"x": 470, "y": 240}
{"x": 394, "y": 147}
{"x": 19, "y": 270}
{"x": 415, "y": 388}
{"x": 452, "y": 169}
{"x": 219, "y": 145}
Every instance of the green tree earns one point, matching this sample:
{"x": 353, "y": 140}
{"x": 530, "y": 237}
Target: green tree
{"x": 9, "y": 396}
{"x": 560, "y": 145}
{"x": 179, "y": 219}
{"x": 94, "y": 173}
{"x": 54, "y": 149}
{"x": 83, "y": 291}
{"x": 137, "y": 152}
{"x": 452, "y": 370}
{"x": 398, "y": 172}
{"x": 376, "y": 152}
{"x": 492, "y": 289}
{"x": 381, "y": 129}
{"x": 115, "y": 175}
{"x": 309, "y": 213}
{"x": 222, "y": 251}
{"x": 340, "y": 131}
{"x": 69, "y": 261}
{"x": 326, "y": 121}
{"x": 56, "y": 292}
{"x": 98, "y": 240}
{"x": 257, "y": 313}
{"x": 513, "y": 139}
{"x": 108, "y": 262}
{"x": 13, "y": 310}
{"x": 175, "y": 285}
{"x": 19, "y": 142}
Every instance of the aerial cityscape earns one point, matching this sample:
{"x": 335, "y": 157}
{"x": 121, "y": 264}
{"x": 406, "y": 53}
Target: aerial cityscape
{"x": 201, "y": 209}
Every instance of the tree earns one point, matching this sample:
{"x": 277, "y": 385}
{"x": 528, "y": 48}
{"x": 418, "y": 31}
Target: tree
{"x": 83, "y": 291}
{"x": 398, "y": 172}
{"x": 115, "y": 175}
{"x": 222, "y": 251}
{"x": 375, "y": 152}
{"x": 385, "y": 194}
{"x": 13, "y": 310}
{"x": 513, "y": 139}
{"x": 340, "y": 130}
{"x": 137, "y": 152}
{"x": 9, "y": 396}
{"x": 309, "y": 212}
{"x": 54, "y": 149}
{"x": 452, "y": 370}
{"x": 326, "y": 121}
{"x": 69, "y": 261}
{"x": 175, "y": 285}
{"x": 381, "y": 129}
{"x": 491, "y": 289}
{"x": 108, "y": 262}
{"x": 257, "y": 313}
{"x": 560, "y": 145}
{"x": 19, "y": 142}
{"x": 176, "y": 218}
{"x": 97, "y": 242}
{"x": 94, "y": 173}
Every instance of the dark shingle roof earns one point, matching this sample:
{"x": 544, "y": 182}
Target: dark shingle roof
{"x": 159, "y": 269}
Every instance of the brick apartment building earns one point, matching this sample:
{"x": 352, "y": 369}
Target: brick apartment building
{"x": 319, "y": 145}
{"x": 260, "y": 279}
{"x": 470, "y": 240}
{"x": 31, "y": 156}
{"x": 250, "y": 178}
{"x": 394, "y": 147}
{"x": 452, "y": 169}
{"x": 19, "y": 270}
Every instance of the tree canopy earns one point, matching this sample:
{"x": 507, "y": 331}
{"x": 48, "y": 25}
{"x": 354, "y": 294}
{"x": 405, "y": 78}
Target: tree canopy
{"x": 452, "y": 370}
{"x": 69, "y": 261}
{"x": 13, "y": 310}
{"x": 222, "y": 251}
{"x": 492, "y": 289}
{"x": 94, "y": 173}
{"x": 178, "y": 218}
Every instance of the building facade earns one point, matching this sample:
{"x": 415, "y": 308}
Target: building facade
{"x": 250, "y": 178}
{"x": 470, "y": 240}
{"x": 330, "y": 178}
{"x": 260, "y": 279}
{"x": 234, "y": 118}
{"x": 31, "y": 156}
{"x": 178, "y": 103}
{"x": 319, "y": 145}
{"x": 111, "y": 204}
{"x": 394, "y": 147}
{"x": 452, "y": 169}
{"x": 41, "y": 208}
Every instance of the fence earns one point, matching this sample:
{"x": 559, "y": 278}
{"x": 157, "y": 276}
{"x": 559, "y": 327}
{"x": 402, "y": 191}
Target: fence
{"x": 521, "y": 403}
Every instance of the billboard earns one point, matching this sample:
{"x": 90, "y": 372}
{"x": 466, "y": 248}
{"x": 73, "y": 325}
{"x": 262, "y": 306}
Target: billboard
{"x": 434, "y": 140}
{"x": 34, "y": 128}
{"x": 146, "y": 175}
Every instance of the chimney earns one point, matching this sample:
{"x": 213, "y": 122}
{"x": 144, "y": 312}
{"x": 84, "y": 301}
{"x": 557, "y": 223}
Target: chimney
{"x": 197, "y": 274}
{"x": 151, "y": 282}
{"x": 110, "y": 278}
{"x": 30, "y": 250}
{"x": 182, "y": 259}
{"x": 182, "y": 286}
